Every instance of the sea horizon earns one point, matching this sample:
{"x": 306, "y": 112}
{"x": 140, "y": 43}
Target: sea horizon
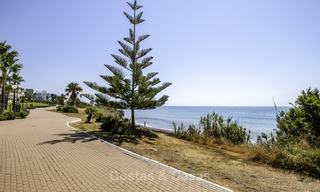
{"x": 225, "y": 106}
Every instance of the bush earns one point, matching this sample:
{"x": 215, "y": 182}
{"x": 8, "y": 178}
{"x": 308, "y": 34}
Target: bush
{"x": 294, "y": 158}
{"x": 7, "y": 116}
{"x": 59, "y": 108}
{"x": 82, "y": 105}
{"x": 91, "y": 112}
{"x": 98, "y": 113}
{"x": 294, "y": 147}
{"x": 22, "y": 114}
{"x": 9, "y": 106}
{"x": 99, "y": 117}
{"x": 115, "y": 124}
{"x": 30, "y": 106}
{"x": 69, "y": 109}
{"x": 23, "y": 107}
{"x": 214, "y": 127}
{"x": 191, "y": 134}
{"x": 301, "y": 122}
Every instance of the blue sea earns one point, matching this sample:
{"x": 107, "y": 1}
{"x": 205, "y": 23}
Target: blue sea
{"x": 255, "y": 119}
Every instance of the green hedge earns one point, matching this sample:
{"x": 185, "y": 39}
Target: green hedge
{"x": 9, "y": 115}
{"x": 68, "y": 109}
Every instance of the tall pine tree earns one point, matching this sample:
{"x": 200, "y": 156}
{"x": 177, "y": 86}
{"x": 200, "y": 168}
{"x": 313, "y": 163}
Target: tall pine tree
{"x": 128, "y": 86}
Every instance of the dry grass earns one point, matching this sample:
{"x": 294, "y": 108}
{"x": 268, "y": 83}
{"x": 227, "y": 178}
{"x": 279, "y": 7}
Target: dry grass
{"x": 223, "y": 164}
{"x": 228, "y": 168}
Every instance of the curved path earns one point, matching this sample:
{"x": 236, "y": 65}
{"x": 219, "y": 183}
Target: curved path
{"x": 41, "y": 153}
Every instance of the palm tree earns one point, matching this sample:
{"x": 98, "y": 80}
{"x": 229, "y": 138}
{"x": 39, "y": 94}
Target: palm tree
{"x": 16, "y": 81}
{"x": 60, "y": 99}
{"x": 4, "y": 50}
{"x": 73, "y": 90}
{"x": 8, "y": 65}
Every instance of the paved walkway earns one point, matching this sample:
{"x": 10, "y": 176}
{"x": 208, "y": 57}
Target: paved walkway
{"x": 41, "y": 153}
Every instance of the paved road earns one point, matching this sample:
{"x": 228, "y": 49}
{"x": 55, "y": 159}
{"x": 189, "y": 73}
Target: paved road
{"x": 41, "y": 153}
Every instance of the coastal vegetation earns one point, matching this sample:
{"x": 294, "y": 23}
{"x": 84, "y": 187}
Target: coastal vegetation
{"x": 301, "y": 124}
{"x": 213, "y": 128}
{"x": 128, "y": 86}
{"x": 295, "y": 146}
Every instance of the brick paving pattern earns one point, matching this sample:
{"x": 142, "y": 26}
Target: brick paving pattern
{"x": 41, "y": 153}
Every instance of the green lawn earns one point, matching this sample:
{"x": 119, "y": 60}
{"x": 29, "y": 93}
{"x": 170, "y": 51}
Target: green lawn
{"x": 33, "y": 105}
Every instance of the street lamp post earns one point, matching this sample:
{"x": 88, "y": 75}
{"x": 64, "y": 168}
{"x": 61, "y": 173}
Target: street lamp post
{"x": 14, "y": 87}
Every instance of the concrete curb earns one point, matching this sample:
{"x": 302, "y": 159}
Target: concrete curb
{"x": 175, "y": 171}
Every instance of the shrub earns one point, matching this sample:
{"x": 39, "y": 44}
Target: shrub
{"x": 143, "y": 132}
{"x": 213, "y": 127}
{"x": 291, "y": 157}
{"x": 114, "y": 124}
{"x": 31, "y": 106}
{"x": 82, "y": 104}
{"x": 69, "y": 109}
{"x": 301, "y": 122}
{"x": 9, "y": 115}
{"x": 23, "y": 107}
{"x": 23, "y": 114}
{"x": 99, "y": 117}
{"x": 59, "y": 108}
{"x": 190, "y": 134}
{"x": 294, "y": 147}
{"x": 9, "y": 106}
{"x": 91, "y": 112}
{"x": 98, "y": 113}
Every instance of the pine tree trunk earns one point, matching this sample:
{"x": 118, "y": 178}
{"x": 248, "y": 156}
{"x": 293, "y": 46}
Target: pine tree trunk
{"x": 133, "y": 121}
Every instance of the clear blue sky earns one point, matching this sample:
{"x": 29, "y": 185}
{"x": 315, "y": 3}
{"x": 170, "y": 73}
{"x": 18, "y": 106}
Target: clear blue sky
{"x": 215, "y": 52}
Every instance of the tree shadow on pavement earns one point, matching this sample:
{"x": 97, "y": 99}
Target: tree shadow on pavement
{"x": 116, "y": 139}
{"x": 86, "y": 137}
{"x": 71, "y": 138}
